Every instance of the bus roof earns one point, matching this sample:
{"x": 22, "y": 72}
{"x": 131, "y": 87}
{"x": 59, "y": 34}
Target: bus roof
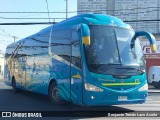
{"x": 98, "y": 19}
{"x": 88, "y": 19}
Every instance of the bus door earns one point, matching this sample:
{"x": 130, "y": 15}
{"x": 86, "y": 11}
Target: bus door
{"x": 76, "y": 70}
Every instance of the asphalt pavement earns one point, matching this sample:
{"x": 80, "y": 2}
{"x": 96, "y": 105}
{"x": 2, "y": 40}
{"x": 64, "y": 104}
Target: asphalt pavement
{"x": 28, "y": 101}
{"x": 152, "y": 89}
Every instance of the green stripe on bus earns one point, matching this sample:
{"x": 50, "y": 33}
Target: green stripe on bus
{"x": 119, "y": 84}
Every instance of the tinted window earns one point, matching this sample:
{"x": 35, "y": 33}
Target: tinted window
{"x": 61, "y": 43}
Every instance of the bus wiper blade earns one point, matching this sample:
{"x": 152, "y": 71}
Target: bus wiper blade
{"x": 114, "y": 64}
{"x": 106, "y": 65}
{"x": 132, "y": 68}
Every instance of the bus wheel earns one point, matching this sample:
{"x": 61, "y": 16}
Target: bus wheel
{"x": 14, "y": 88}
{"x": 54, "y": 94}
{"x": 156, "y": 86}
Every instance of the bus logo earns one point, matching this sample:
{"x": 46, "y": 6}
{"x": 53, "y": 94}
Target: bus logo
{"x": 122, "y": 81}
{"x": 136, "y": 80}
{"x": 6, "y": 114}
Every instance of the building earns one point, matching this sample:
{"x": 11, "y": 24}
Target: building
{"x": 91, "y": 6}
{"x": 139, "y": 10}
{"x": 96, "y": 6}
{"x": 127, "y": 10}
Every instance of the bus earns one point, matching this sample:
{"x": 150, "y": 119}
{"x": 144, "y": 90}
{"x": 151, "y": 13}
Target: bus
{"x": 88, "y": 60}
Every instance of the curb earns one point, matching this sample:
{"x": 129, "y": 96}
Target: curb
{"x": 154, "y": 91}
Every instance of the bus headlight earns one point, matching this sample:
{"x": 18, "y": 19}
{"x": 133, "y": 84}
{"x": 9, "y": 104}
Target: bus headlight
{"x": 93, "y": 88}
{"x": 144, "y": 87}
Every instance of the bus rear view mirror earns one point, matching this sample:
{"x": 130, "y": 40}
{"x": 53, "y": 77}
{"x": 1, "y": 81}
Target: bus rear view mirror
{"x": 85, "y": 34}
{"x": 149, "y": 36}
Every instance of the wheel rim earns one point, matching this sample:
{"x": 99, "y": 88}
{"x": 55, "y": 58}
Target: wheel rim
{"x": 55, "y": 94}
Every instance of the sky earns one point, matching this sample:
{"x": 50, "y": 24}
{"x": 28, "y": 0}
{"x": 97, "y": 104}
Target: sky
{"x": 21, "y": 31}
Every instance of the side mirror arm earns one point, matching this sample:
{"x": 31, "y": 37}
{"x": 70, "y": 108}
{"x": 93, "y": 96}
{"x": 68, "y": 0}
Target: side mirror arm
{"x": 150, "y": 37}
{"x": 85, "y": 34}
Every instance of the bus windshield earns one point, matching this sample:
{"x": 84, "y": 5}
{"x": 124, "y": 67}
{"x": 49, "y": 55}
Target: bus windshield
{"x": 110, "y": 48}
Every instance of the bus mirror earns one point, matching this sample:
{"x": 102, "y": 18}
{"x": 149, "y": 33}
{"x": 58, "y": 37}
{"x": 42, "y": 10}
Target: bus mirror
{"x": 85, "y": 34}
{"x": 149, "y": 36}
{"x": 86, "y": 40}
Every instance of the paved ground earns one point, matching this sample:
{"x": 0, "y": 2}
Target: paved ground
{"x": 152, "y": 89}
{"x": 27, "y": 101}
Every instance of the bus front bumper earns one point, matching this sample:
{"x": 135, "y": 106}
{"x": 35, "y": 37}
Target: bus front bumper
{"x": 114, "y": 98}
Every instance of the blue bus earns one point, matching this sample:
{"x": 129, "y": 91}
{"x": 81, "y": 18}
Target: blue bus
{"x": 89, "y": 60}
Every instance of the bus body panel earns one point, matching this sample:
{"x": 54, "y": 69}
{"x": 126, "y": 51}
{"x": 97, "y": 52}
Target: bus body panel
{"x": 111, "y": 98}
{"x": 111, "y": 93}
{"x": 60, "y": 72}
{"x": 37, "y": 64}
{"x": 37, "y": 73}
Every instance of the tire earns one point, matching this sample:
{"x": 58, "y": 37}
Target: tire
{"x": 158, "y": 86}
{"x": 54, "y": 94}
{"x": 155, "y": 86}
{"x": 14, "y": 88}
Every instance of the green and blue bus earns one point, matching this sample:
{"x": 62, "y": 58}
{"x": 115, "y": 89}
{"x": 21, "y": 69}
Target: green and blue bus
{"x": 89, "y": 60}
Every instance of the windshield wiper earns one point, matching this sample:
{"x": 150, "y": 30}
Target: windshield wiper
{"x": 109, "y": 64}
{"x": 133, "y": 68}
{"x": 114, "y": 64}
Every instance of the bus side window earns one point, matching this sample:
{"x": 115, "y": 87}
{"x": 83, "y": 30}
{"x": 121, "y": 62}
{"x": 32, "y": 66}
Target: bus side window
{"x": 61, "y": 44}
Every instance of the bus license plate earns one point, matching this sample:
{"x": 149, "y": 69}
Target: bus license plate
{"x": 122, "y": 98}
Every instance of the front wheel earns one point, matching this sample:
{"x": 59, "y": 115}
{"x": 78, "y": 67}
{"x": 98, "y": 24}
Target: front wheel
{"x": 54, "y": 94}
